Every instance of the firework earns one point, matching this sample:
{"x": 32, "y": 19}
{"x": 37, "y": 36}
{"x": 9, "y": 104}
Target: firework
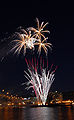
{"x": 40, "y": 80}
{"x": 39, "y": 31}
{"x": 24, "y": 41}
{"x": 29, "y": 39}
{"x": 39, "y": 35}
{"x": 43, "y": 44}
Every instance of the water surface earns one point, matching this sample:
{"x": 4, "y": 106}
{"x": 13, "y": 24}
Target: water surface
{"x": 37, "y": 113}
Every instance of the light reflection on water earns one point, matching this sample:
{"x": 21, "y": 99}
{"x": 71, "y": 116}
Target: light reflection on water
{"x": 37, "y": 113}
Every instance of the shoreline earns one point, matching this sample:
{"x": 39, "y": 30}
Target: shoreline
{"x": 28, "y": 106}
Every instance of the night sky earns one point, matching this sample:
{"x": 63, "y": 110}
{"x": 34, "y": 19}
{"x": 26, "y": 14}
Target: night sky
{"x": 61, "y": 25}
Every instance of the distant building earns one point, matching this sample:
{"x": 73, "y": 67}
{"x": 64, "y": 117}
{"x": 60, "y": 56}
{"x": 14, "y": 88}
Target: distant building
{"x": 55, "y": 97}
{"x": 68, "y": 95}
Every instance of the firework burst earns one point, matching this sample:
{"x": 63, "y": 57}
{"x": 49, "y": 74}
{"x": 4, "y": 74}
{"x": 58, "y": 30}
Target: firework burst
{"x": 43, "y": 44}
{"x": 40, "y": 80}
{"x": 30, "y": 38}
{"x": 39, "y": 31}
{"x": 24, "y": 41}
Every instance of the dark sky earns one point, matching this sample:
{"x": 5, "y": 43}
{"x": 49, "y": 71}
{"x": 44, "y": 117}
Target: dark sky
{"x": 61, "y": 25}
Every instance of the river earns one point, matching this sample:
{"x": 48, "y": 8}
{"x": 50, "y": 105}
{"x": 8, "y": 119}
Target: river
{"x": 37, "y": 113}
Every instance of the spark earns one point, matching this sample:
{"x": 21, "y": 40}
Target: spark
{"x": 44, "y": 45}
{"x": 39, "y": 81}
{"x": 39, "y": 31}
{"x": 24, "y": 41}
{"x": 31, "y": 38}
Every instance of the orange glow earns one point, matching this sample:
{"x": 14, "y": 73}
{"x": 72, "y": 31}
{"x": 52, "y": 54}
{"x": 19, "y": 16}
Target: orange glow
{"x": 8, "y": 104}
{"x": 39, "y": 103}
{"x": 12, "y": 103}
{"x": 19, "y": 103}
{"x": 67, "y": 101}
{"x": 7, "y": 93}
{"x": 3, "y": 90}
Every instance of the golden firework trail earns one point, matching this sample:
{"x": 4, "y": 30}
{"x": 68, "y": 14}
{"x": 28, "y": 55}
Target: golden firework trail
{"x": 24, "y": 41}
{"x": 31, "y": 38}
{"x": 43, "y": 44}
{"x": 39, "y": 31}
